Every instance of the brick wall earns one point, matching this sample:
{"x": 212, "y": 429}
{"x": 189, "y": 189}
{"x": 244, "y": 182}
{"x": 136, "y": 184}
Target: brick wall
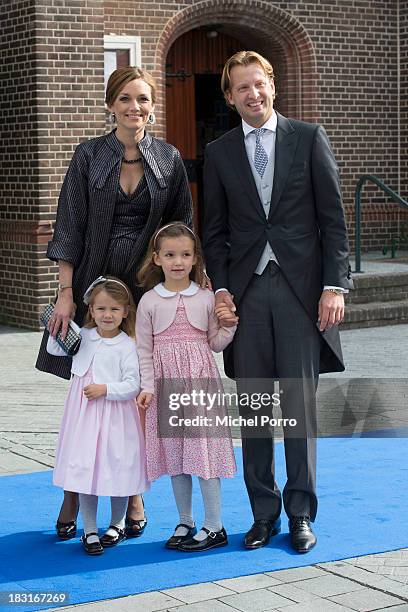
{"x": 19, "y": 183}
{"x": 404, "y": 103}
{"x": 53, "y": 100}
{"x": 336, "y": 62}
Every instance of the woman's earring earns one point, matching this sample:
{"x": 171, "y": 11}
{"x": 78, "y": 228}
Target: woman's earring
{"x": 151, "y": 118}
{"x": 113, "y": 118}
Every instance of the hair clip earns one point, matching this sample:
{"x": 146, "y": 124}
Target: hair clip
{"x": 177, "y": 223}
{"x": 98, "y": 281}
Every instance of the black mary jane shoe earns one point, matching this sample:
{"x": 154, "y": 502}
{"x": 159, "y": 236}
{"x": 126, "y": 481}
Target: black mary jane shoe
{"x": 108, "y": 541}
{"x": 130, "y": 525}
{"x": 213, "y": 540}
{"x": 66, "y": 531}
{"x": 175, "y": 541}
{"x": 94, "y": 548}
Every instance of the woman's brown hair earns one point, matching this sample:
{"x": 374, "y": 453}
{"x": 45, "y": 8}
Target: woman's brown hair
{"x": 122, "y": 76}
{"x": 151, "y": 274}
{"x": 119, "y": 292}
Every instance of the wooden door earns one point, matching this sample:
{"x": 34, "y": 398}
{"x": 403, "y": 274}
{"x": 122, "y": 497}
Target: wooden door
{"x": 192, "y": 55}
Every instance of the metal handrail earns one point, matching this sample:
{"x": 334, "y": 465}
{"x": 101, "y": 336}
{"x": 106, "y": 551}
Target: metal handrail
{"x": 357, "y": 208}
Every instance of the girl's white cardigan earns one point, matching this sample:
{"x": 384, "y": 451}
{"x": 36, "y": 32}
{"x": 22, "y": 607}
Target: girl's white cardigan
{"x": 114, "y": 362}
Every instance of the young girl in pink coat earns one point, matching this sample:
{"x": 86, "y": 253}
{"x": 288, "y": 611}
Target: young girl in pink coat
{"x": 101, "y": 445}
{"x": 176, "y": 329}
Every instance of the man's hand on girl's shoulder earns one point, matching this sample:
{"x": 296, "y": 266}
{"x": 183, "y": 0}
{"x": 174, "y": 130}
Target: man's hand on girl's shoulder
{"x": 144, "y": 399}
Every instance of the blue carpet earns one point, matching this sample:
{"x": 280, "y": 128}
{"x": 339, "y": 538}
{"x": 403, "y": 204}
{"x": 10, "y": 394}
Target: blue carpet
{"x": 363, "y": 496}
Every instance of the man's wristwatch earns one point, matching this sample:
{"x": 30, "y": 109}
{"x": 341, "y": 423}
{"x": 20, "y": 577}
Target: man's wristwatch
{"x": 61, "y": 287}
{"x": 336, "y": 291}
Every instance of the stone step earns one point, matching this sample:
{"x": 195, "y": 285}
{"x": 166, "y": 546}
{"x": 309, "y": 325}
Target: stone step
{"x": 374, "y": 314}
{"x": 378, "y": 287}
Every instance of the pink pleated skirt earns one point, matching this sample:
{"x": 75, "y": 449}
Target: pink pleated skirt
{"x": 101, "y": 449}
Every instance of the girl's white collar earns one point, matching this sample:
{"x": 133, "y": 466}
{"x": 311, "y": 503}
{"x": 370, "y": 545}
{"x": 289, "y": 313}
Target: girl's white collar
{"x": 163, "y": 292}
{"x": 93, "y": 334}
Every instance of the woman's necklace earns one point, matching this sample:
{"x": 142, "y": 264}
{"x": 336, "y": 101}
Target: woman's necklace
{"x": 132, "y": 161}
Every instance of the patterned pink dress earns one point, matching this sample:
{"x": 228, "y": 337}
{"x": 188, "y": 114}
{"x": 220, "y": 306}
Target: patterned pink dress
{"x": 182, "y": 352}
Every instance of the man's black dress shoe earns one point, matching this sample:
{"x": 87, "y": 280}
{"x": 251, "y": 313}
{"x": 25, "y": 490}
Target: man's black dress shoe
{"x": 213, "y": 540}
{"x": 260, "y": 533}
{"x": 302, "y": 537}
{"x": 174, "y": 541}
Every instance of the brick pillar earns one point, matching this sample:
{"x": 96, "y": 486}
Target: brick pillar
{"x": 404, "y": 96}
{"x": 52, "y": 99}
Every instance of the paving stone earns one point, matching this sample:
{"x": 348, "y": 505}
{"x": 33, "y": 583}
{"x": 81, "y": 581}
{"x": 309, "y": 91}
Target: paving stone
{"x": 365, "y": 600}
{"x": 371, "y": 560}
{"x": 197, "y": 592}
{"x": 256, "y": 601}
{"x": 401, "y": 608}
{"x": 400, "y": 579}
{"x": 396, "y": 562}
{"x": 323, "y": 605}
{"x": 212, "y": 605}
{"x": 393, "y": 587}
{"x": 383, "y": 570}
{"x": 248, "y": 583}
{"x": 291, "y": 591}
{"x": 366, "y": 578}
{"x": 297, "y": 573}
{"x": 328, "y": 585}
{"x": 11, "y": 463}
{"x": 148, "y": 602}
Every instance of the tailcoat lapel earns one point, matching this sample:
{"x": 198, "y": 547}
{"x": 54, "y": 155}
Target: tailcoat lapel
{"x": 285, "y": 146}
{"x": 236, "y": 152}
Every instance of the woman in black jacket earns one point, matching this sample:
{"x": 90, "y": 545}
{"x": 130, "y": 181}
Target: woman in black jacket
{"x": 118, "y": 190}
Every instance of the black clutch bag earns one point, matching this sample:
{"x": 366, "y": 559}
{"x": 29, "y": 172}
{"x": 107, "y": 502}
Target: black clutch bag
{"x": 70, "y": 344}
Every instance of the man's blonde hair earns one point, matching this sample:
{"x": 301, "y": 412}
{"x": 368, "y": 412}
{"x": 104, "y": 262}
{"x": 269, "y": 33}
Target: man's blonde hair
{"x": 243, "y": 58}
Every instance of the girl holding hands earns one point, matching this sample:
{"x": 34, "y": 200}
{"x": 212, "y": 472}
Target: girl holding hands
{"x": 176, "y": 329}
{"x": 101, "y": 447}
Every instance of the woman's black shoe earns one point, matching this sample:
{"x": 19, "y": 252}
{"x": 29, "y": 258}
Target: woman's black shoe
{"x": 175, "y": 541}
{"x": 95, "y": 548}
{"x": 108, "y": 541}
{"x": 213, "y": 540}
{"x": 135, "y": 527}
{"x": 66, "y": 531}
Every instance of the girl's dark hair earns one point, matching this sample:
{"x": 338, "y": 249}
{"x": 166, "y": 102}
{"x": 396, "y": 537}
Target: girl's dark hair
{"x": 150, "y": 274}
{"x": 119, "y": 292}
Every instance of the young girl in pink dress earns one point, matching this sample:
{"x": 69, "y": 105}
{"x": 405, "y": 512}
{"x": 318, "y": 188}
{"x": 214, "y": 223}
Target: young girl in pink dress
{"x": 101, "y": 444}
{"x": 176, "y": 329}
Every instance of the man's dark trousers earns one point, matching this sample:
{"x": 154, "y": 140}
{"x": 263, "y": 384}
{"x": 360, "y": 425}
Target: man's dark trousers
{"x": 277, "y": 339}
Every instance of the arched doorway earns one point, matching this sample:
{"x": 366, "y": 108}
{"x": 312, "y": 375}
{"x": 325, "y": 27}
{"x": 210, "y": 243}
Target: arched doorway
{"x": 195, "y": 109}
{"x": 192, "y": 50}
